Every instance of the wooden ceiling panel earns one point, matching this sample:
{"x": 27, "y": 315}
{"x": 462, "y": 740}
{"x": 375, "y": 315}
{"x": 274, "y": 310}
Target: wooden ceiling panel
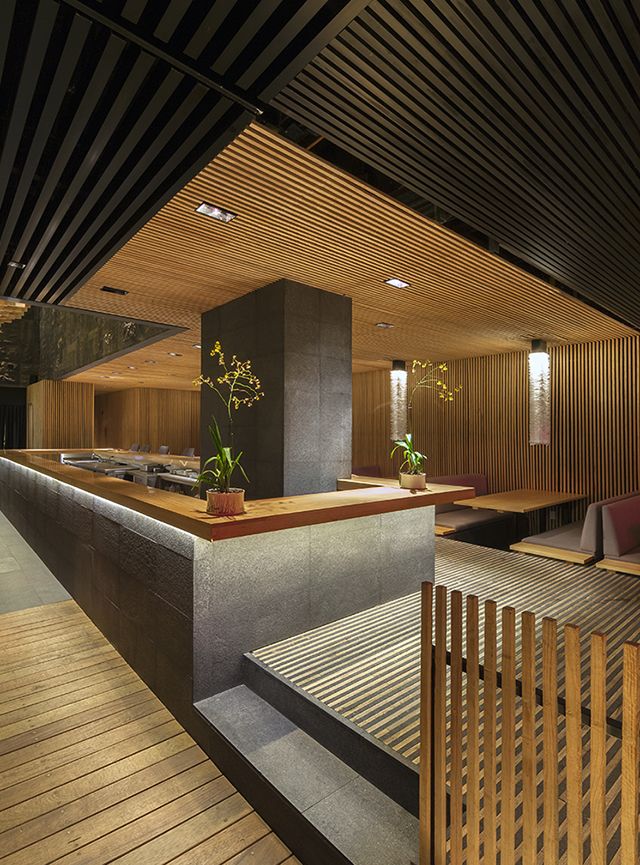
{"x": 303, "y": 219}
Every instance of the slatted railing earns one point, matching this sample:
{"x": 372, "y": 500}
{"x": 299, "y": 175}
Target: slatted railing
{"x": 522, "y": 763}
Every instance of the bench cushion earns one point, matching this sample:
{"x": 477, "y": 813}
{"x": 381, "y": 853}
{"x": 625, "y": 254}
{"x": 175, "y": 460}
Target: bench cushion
{"x": 467, "y": 518}
{"x": 621, "y": 527}
{"x": 562, "y": 538}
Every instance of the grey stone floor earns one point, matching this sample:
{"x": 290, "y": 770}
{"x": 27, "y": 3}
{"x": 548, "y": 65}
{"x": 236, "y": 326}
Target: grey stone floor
{"x": 25, "y": 580}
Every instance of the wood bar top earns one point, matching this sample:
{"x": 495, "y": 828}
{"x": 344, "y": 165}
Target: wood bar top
{"x": 262, "y": 515}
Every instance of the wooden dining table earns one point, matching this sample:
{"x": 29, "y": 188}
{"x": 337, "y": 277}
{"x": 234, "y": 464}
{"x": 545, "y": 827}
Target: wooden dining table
{"x": 523, "y": 501}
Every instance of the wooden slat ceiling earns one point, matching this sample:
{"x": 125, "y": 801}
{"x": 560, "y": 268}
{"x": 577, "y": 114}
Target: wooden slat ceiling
{"x": 521, "y": 119}
{"x": 108, "y": 107}
{"x": 303, "y": 219}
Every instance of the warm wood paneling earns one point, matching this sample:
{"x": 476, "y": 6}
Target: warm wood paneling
{"x": 595, "y": 412}
{"x": 59, "y": 415}
{"x": 148, "y": 416}
{"x": 302, "y": 219}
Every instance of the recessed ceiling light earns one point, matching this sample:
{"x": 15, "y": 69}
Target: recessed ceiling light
{"x": 131, "y": 367}
{"x": 18, "y": 265}
{"x": 196, "y": 345}
{"x": 110, "y": 290}
{"x": 173, "y": 354}
{"x": 216, "y": 212}
{"x": 384, "y": 324}
{"x": 149, "y": 361}
{"x": 397, "y": 283}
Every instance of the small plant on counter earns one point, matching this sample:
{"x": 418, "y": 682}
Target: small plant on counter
{"x": 236, "y": 386}
{"x": 412, "y": 475}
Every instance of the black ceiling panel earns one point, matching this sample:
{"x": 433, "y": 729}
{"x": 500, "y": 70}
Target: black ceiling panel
{"x": 520, "y": 119}
{"x": 108, "y": 108}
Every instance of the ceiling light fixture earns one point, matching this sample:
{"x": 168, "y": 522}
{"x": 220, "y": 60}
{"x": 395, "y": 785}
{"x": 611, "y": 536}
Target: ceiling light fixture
{"x": 196, "y": 345}
{"x": 385, "y": 325}
{"x": 397, "y": 283}
{"x": 17, "y": 265}
{"x": 149, "y": 361}
{"x": 173, "y": 354}
{"x": 131, "y": 367}
{"x": 216, "y": 212}
{"x": 110, "y": 290}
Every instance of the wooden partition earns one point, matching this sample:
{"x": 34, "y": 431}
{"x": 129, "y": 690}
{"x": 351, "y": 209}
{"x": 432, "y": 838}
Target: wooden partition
{"x": 595, "y": 413}
{"x": 530, "y": 738}
{"x": 59, "y": 415}
{"x": 154, "y": 416}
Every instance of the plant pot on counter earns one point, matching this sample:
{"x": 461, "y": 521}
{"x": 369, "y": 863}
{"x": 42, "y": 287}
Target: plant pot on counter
{"x": 413, "y": 482}
{"x": 228, "y": 504}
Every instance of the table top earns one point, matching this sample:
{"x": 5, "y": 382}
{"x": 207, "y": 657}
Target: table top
{"x": 521, "y": 501}
{"x": 261, "y": 515}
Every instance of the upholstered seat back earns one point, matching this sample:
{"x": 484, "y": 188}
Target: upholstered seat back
{"x": 591, "y": 538}
{"x": 621, "y": 527}
{"x": 477, "y": 481}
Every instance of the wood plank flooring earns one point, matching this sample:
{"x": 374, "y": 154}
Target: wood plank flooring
{"x": 94, "y": 769}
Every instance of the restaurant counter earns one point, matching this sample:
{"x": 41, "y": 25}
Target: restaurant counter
{"x": 183, "y": 610}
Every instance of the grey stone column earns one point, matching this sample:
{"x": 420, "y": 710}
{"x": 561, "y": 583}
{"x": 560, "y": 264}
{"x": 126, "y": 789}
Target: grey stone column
{"x": 298, "y": 438}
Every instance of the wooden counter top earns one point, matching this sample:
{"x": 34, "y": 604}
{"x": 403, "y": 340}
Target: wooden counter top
{"x": 263, "y": 515}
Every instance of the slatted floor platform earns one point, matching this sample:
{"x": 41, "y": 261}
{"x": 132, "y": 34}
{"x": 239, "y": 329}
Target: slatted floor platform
{"x": 94, "y": 769}
{"x": 366, "y": 667}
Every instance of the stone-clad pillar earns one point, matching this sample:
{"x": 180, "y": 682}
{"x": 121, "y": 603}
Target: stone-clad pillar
{"x": 297, "y": 439}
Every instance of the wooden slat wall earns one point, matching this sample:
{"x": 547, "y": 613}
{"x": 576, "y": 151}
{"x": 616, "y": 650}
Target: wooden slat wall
{"x": 149, "y": 416}
{"x": 59, "y": 415}
{"x": 594, "y": 421}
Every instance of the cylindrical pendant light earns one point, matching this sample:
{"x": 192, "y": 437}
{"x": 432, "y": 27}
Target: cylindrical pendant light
{"x": 539, "y": 394}
{"x": 398, "y": 400}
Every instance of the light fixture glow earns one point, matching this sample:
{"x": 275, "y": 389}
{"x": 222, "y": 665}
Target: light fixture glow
{"x": 384, "y": 325}
{"x": 398, "y": 401}
{"x": 17, "y": 265}
{"x": 173, "y": 354}
{"x": 131, "y": 367}
{"x": 216, "y": 212}
{"x": 149, "y": 361}
{"x": 397, "y": 283}
{"x": 111, "y": 290}
{"x": 539, "y": 394}
{"x": 196, "y": 345}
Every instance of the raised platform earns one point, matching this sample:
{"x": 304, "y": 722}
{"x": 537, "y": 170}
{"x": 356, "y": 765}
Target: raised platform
{"x": 363, "y": 671}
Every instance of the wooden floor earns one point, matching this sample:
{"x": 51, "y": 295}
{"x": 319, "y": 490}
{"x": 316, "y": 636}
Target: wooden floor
{"x": 94, "y": 769}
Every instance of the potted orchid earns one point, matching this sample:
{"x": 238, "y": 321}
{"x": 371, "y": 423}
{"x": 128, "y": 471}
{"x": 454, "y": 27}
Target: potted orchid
{"x": 429, "y": 376}
{"x": 236, "y": 386}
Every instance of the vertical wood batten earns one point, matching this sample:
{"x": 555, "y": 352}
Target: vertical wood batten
{"x": 426, "y": 725}
{"x": 630, "y": 754}
{"x": 550, "y": 739}
{"x": 595, "y": 413}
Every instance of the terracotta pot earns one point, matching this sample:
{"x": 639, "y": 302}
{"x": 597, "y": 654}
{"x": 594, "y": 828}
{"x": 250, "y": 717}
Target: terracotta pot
{"x": 225, "y": 504}
{"x": 413, "y": 482}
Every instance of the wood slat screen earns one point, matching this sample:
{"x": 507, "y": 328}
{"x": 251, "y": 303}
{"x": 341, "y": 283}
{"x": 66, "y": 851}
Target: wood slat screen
{"x": 152, "y": 416}
{"x": 595, "y": 409}
{"x": 59, "y": 415}
{"x": 519, "y": 769}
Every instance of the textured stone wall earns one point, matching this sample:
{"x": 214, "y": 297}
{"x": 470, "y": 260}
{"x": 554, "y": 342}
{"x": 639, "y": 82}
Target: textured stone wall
{"x": 298, "y": 438}
{"x": 253, "y": 591}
